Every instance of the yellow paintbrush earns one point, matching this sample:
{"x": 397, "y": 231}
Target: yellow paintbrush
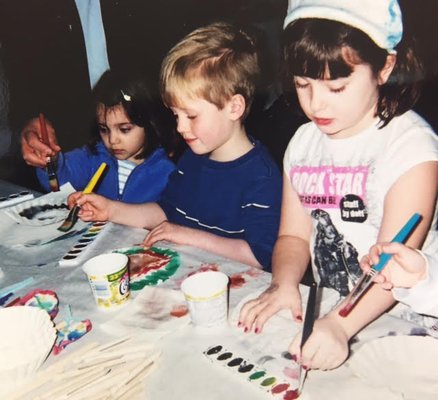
{"x": 72, "y": 216}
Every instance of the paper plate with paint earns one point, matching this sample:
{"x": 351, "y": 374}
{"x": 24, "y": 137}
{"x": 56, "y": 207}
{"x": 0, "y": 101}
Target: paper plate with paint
{"x": 150, "y": 267}
{"x": 47, "y": 300}
{"x": 27, "y": 335}
{"x": 403, "y": 364}
{"x": 41, "y": 211}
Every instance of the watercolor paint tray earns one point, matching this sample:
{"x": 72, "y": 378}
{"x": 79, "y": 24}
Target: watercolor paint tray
{"x": 254, "y": 374}
{"x": 15, "y": 198}
{"x": 80, "y": 251}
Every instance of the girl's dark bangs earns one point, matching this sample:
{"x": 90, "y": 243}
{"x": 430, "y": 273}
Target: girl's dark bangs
{"x": 318, "y": 62}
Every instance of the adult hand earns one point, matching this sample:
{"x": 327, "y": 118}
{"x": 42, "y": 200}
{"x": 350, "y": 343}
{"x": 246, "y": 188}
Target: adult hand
{"x": 326, "y": 348}
{"x": 93, "y": 206}
{"x": 34, "y": 151}
{"x": 405, "y": 269}
{"x": 171, "y": 232}
{"x": 256, "y": 312}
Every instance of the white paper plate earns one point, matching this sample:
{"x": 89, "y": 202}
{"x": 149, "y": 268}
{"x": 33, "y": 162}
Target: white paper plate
{"x": 404, "y": 364}
{"x": 40, "y": 211}
{"x": 27, "y": 335}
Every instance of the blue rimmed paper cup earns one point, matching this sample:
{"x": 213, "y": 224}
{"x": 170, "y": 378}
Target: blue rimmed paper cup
{"x": 206, "y": 294}
{"x": 109, "y": 279}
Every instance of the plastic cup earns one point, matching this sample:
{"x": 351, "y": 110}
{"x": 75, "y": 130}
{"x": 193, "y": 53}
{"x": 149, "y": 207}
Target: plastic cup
{"x": 109, "y": 279}
{"x": 206, "y": 295}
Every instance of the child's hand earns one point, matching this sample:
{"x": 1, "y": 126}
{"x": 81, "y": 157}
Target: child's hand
{"x": 171, "y": 232}
{"x": 34, "y": 151}
{"x": 277, "y": 297}
{"x": 405, "y": 269}
{"x": 326, "y": 348}
{"x": 93, "y": 206}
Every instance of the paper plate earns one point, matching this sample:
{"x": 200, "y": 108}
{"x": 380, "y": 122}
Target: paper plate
{"x": 404, "y": 364}
{"x": 149, "y": 267}
{"x": 27, "y": 335}
{"x": 41, "y": 211}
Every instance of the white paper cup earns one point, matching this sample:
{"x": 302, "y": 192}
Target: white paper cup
{"x": 206, "y": 295}
{"x": 109, "y": 279}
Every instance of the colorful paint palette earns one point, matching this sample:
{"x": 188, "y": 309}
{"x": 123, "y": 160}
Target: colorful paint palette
{"x": 79, "y": 253}
{"x": 255, "y": 374}
{"x": 15, "y": 198}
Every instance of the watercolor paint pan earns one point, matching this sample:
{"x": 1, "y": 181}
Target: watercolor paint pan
{"x": 15, "y": 198}
{"x": 80, "y": 251}
{"x": 254, "y": 374}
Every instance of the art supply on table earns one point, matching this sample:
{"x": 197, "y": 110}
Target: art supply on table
{"x": 115, "y": 369}
{"x": 51, "y": 163}
{"x": 365, "y": 281}
{"x": 206, "y": 295}
{"x": 15, "y": 198}
{"x": 150, "y": 267}
{"x": 17, "y": 286}
{"x": 47, "y": 300}
{"x": 309, "y": 320}
{"x": 73, "y": 214}
{"x": 82, "y": 249}
{"x": 27, "y": 335}
{"x": 109, "y": 279}
{"x": 257, "y": 375}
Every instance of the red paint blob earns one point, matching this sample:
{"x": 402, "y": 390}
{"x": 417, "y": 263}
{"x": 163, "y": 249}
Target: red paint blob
{"x": 179, "y": 311}
{"x": 346, "y": 310}
{"x": 236, "y": 281}
{"x": 291, "y": 395}
{"x": 280, "y": 388}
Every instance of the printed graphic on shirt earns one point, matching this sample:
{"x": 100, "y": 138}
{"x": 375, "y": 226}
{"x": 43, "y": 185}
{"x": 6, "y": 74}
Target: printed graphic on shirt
{"x": 336, "y": 260}
{"x": 326, "y": 186}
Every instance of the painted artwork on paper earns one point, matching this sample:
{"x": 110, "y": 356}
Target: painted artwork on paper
{"x": 150, "y": 267}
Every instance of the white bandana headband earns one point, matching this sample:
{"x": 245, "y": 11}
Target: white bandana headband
{"x": 381, "y": 20}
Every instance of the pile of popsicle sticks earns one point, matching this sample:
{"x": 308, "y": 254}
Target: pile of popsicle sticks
{"x": 114, "y": 370}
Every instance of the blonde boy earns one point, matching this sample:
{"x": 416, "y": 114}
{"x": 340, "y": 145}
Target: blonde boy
{"x": 225, "y": 195}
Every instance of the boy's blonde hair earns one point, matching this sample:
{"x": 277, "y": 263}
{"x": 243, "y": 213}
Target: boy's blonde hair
{"x": 214, "y": 63}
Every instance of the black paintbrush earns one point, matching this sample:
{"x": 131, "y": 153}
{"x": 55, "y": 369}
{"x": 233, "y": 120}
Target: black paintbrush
{"x": 309, "y": 319}
{"x": 51, "y": 164}
{"x": 72, "y": 216}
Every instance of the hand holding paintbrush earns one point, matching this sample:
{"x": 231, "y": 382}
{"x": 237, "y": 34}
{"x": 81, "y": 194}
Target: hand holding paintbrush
{"x": 73, "y": 214}
{"x": 51, "y": 162}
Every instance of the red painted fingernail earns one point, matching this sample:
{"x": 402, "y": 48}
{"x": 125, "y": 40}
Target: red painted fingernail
{"x": 305, "y": 367}
{"x": 239, "y": 324}
{"x": 246, "y": 329}
{"x": 256, "y": 330}
{"x": 293, "y": 357}
{"x": 299, "y": 318}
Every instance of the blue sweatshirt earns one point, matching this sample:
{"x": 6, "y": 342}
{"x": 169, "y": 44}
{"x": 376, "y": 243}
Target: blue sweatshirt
{"x": 145, "y": 183}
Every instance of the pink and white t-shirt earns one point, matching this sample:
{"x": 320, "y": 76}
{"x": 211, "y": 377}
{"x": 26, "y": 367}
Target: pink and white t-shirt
{"x": 342, "y": 183}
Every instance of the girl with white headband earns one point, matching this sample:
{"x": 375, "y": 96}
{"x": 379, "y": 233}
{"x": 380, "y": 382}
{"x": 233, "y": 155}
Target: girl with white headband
{"x": 353, "y": 175}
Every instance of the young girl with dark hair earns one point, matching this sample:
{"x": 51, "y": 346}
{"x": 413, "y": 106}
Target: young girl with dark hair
{"x": 127, "y": 137}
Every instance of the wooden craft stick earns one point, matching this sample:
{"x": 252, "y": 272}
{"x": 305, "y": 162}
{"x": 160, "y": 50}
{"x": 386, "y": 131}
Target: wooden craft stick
{"x": 67, "y": 387}
{"x": 105, "y": 383}
{"x": 46, "y": 375}
{"x": 143, "y": 348}
{"x": 131, "y": 393}
{"x": 114, "y": 343}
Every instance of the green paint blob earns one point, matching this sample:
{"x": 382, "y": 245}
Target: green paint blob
{"x": 269, "y": 381}
{"x": 257, "y": 375}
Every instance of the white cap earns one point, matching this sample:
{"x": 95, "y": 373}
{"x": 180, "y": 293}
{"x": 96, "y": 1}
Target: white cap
{"x": 381, "y": 20}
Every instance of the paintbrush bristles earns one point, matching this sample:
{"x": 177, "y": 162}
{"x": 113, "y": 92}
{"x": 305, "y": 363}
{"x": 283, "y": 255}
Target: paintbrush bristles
{"x": 51, "y": 163}
{"x": 72, "y": 216}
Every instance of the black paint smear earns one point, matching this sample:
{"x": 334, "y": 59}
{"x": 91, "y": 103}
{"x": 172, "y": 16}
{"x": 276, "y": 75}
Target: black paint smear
{"x": 214, "y": 350}
{"x": 244, "y": 367}
{"x": 31, "y": 212}
{"x": 236, "y": 361}
{"x": 286, "y": 355}
{"x": 225, "y": 356}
